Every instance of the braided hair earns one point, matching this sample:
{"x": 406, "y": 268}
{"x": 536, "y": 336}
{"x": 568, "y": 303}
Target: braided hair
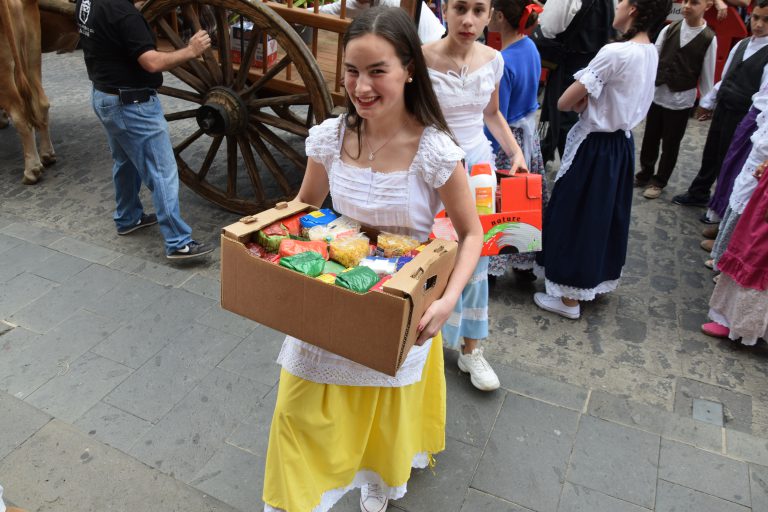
{"x": 512, "y": 10}
{"x": 649, "y": 16}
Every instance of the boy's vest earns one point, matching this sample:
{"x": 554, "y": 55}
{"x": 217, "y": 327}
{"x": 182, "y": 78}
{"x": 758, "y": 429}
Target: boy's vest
{"x": 680, "y": 68}
{"x": 742, "y": 79}
{"x": 594, "y": 27}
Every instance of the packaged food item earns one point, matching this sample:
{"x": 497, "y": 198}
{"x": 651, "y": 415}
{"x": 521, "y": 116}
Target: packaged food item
{"x": 289, "y": 247}
{"x": 392, "y": 245}
{"x": 402, "y": 260}
{"x": 293, "y": 224}
{"x": 358, "y": 279}
{"x": 331, "y": 267}
{"x": 310, "y": 263}
{"x": 255, "y": 249}
{"x": 379, "y": 287}
{"x": 381, "y": 266}
{"x": 272, "y": 258}
{"x": 339, "y": 228}
{"x": 317, "y": 218}
{"x": 271, "y": 236}
{"x": 327, "y": 278}
{"x": 350, "y": 251}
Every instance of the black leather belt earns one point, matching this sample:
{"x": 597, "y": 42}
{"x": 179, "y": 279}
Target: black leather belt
{"x": 128, "y": 95}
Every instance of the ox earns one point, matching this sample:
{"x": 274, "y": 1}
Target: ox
{"x": 21, "y": 90}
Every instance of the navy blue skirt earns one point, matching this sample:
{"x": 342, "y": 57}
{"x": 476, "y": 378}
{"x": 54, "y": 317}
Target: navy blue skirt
{"x": 586, "y": 223}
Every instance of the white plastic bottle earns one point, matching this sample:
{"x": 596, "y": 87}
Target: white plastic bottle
{"x": 482, "y": 183}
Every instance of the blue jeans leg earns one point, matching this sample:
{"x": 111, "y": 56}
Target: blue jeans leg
{"x": 138, "y": 135}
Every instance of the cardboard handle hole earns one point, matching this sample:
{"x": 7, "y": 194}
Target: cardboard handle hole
{"x": 430, "y": 283}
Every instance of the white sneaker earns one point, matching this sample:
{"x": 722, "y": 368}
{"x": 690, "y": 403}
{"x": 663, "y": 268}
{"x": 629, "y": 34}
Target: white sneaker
{"x": 373, "y": 498}
{"x": 480, "y": 372}
{"x": 555, "y": 305}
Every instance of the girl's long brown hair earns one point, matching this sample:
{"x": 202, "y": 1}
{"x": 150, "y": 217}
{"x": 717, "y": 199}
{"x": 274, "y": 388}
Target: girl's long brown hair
{"x": 394, "y": 25}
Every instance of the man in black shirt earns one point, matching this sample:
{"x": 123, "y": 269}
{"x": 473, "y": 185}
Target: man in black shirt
{"x": 126, "y": 69}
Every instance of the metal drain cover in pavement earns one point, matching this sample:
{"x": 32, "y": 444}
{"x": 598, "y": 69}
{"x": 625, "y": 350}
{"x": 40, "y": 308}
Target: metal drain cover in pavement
{"x": 708, "y": 412}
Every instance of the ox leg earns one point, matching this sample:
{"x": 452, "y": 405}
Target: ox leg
{"x": 32, "y": 165}
{"x": 4, "y": 121}
{"x": 47, "y": 153}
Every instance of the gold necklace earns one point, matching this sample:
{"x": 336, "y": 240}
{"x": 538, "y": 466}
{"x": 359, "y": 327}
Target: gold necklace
{"x": 372, "y": 153}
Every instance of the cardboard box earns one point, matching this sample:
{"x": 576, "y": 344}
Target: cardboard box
{"x": 376, "y": 329}
{"x": 241, "y": 35}
{"x": 517, "y": 228}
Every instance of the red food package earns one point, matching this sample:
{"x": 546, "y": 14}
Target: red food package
{"x": 255, "y": 249}
{"x": 379, "y": 287}
{"x": 292, "y": 224}
{"x": 289, "y": 247}
{"x": 275, "y": 229}
{"x": 272, "y": 258}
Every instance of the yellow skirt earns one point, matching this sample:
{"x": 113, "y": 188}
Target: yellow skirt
{"x": 323, "y": 436}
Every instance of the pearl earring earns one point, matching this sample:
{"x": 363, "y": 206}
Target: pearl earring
{"x": 410, "y": 79}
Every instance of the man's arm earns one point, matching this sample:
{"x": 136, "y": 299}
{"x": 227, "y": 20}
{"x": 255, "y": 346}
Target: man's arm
{"x": 154, "y": 61}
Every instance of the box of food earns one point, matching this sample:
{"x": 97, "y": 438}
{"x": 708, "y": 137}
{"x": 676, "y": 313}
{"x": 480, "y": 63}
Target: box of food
{"x": 375, "y": 329}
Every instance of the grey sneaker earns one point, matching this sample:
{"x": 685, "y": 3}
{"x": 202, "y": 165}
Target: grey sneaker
{"x": 145, "y": 221}
{"x": 191, "y": 250}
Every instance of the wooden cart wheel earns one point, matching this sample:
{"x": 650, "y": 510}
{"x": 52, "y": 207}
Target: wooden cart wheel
{"x": 238, "y": 132}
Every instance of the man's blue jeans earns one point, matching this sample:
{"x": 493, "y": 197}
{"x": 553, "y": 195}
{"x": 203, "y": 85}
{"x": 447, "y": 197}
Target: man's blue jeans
{"x": 142, "y": 152}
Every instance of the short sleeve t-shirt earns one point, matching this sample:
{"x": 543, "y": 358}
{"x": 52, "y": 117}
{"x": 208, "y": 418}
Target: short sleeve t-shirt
{"x": 113, "y": 34}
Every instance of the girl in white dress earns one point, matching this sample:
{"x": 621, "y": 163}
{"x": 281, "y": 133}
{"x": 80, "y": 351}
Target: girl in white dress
{"x": 466, "y": 76}
{"x": 389, "y": 163}
{"x": 586, "y": 224}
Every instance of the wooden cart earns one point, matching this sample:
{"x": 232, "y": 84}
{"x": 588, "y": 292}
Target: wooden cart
{"x": 238, "y": 131}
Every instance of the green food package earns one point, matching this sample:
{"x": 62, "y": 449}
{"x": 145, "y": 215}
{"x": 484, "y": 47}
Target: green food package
{"x": 310, "y": 263}
{"x": 270, "y": 242}
{"x": 357, "y": 279}
{"x": 331, "y": 267}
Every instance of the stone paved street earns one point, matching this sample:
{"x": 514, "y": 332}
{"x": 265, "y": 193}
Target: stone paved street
{"x": 125, "y": 387}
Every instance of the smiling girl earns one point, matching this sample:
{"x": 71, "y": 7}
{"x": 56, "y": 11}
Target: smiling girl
{"x": 388, "y": 163}
{"x": 466, "y": 76}
{"x": 586, "y": 224}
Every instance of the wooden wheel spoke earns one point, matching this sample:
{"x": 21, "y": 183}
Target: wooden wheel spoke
{"x": 209, "y": 58}
{"x": 225, "y": 45}
{"x": 231, "y": 166}
{"x": 177, "y": 43}
{"x": 286, "y": 113}
{"x": 281, "y": 124}
{"x": 188, "y": 78}
{"x": 212, "y": 151}
{"x": 273, "y": 139}
{"x": 182, "y": 114}
{"x": 250, "y": 166}
{"x": 280, "y": 101}
{"x": 269, "y": 75}
{"x": 310, "y": 116}
{"x": 245, "y": 61}
{"x": 271, "y": 163}
{"x": 181, "y": 94}
{"x": 188, "y": 141}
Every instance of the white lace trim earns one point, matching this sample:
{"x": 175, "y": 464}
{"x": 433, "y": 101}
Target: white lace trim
{"x": 716, "y": 316}
{"x": 317, "y": 365}
{"x": 570, "y": 292}
{"x": 743, "y": 186}
{"x": 590, "y": 81}
{"x": 323, "y": 140}
{"x": 363, "y": 477}
{"x": 437, "y": 157}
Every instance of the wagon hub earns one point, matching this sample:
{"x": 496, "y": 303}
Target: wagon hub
{"x": 222, "y": 113}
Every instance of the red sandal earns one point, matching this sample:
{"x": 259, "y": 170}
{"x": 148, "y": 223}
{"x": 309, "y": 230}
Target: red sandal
{"x": 715, "y": 330}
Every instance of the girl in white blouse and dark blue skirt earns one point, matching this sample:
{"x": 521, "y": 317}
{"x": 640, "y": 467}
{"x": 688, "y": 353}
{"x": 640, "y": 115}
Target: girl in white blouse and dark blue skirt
{"x": 586, "y": 224}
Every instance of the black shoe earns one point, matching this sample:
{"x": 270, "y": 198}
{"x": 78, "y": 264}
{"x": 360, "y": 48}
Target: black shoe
{"x": 145, "y": 221}
{"x": 191, "y": 250}
{"x": 688, "y": 200}
{"x": 707, "y": 220}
